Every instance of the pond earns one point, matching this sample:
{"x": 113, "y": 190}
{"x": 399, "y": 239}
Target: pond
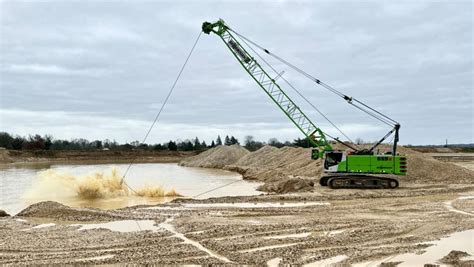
{"x": 96, "y": 185}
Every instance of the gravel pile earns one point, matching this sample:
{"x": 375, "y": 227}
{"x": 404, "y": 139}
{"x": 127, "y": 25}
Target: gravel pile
{"x": 287, "y": 186}
{"x": 454, "y": 257}
{"x": 217, "y": 157}
{"x": 274, "y": 165}
{"x": 55, "y": 210}
{"x": 271, "y": 163}
{"x": 425, "y": 169}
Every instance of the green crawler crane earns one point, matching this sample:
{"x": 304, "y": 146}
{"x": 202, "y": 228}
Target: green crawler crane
{"x": 355, "y": 168}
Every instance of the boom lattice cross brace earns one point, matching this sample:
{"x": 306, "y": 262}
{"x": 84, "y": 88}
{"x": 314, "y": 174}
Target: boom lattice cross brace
{"x": 269, "y": 85}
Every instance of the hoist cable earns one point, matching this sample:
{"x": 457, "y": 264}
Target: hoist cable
{"x": 374, "y": 110}
{"x": 289, "y": 64}
{"x": 298, "y": 92}
{"x": 322, "y": 114}
{"x": 313, "y": 78}
{"x": 383, "y": 120}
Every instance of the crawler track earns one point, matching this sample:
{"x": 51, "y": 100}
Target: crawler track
{"x": 358, "y": 182}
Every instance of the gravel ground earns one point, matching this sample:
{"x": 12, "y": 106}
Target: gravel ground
{"x": 361, "y": 224}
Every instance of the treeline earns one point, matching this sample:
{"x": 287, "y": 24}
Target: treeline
{"x": 195, "y": 144}
{"x": 48, "y": 142}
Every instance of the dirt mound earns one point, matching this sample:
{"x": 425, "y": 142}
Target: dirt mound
{"x": 454, "y": 257}
{"x": 217, "y": 157}
{"x": 425, "y": 169}
{"x": 4, "y": 156}
{"x": 287, "y": 186}
{"x": 271, "y": 165}
{"x": 55, "y": 210}
{"x": 4, "y": 213}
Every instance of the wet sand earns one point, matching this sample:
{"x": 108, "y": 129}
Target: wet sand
{"x": 349, "y": 226}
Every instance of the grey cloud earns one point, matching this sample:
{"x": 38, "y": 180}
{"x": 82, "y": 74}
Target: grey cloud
{"x": 116, "y": 61}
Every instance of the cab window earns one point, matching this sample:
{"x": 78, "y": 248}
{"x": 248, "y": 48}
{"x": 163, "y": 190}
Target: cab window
{"x": 332, "y": 158}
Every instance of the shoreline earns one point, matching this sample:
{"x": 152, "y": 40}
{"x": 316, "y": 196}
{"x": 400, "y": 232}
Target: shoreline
{"x": 13, "y": 158}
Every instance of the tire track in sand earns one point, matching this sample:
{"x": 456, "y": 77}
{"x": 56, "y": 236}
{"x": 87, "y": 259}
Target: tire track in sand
{"x": 450, "y": 207}
{"x": 169, "y": 227}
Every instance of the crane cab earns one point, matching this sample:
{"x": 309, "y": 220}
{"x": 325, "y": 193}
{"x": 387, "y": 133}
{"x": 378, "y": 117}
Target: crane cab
{"x": 332, "y": 159}
{"x": 336, "y": 161}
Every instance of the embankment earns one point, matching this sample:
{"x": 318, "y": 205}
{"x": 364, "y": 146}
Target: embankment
{"x": 91, "y": 156}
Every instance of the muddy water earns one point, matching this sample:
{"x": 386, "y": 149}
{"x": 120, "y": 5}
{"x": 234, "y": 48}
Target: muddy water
{"x": 461, "y": 241}
{"x": 26, "y": 185}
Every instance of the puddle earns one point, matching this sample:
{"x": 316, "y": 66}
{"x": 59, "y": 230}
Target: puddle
{"x": 163, "y": 208}
{"x": 97, "y": 258}
{"x": 124, "y": 226}
{"x": 462, "y": 241}
{"x": 247, "y": 205}
{"x": 268, "y": 247}
{"x": 239, "y": 205}
{"x": 43, "y": 225}
{"x": 254, "y": 221}
{"x": 333, "y": 233}
{"x": 195, "y": 232}
{"x": 328, "y": 261}
{"x": 300, "y": 235}
{"x": 449, "y": 205}
{"x": 39, "y": 226}
{"x": 274, "y": 262}
{"x": 169, "y": 227}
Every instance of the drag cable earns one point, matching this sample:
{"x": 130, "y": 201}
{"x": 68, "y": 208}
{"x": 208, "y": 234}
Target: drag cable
{"x": 161, "y": 109}
{"x": 233, "y": 182}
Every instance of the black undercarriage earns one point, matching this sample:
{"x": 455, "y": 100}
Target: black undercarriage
{"x": 360, "y": 181}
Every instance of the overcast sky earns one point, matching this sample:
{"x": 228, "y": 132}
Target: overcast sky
{"x": 101, "y": 69}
